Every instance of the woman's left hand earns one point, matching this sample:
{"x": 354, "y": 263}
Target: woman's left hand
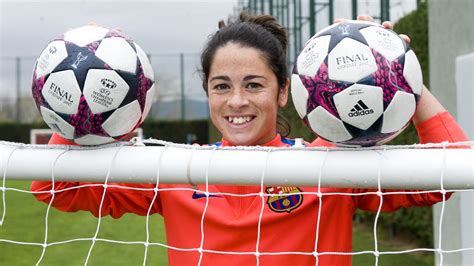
{"x": 385, "y": 24}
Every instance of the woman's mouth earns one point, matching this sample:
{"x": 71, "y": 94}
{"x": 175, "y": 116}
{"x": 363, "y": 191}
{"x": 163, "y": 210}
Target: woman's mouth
{"x": 239, "y": 120}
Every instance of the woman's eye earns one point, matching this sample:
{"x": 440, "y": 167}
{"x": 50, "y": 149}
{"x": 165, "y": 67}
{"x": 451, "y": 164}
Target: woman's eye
{"x": 253, "y": 85}
{"x": 220, "y": 87}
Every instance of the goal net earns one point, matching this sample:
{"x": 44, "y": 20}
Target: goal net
{"x": 277, "y": 172}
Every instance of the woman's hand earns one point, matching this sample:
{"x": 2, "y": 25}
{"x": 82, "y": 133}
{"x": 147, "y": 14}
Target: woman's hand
{"x": 385, "y": 24}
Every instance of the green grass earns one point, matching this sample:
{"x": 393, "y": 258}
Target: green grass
{"x": 363, "y": 239}
{"x": 25, "y": 222}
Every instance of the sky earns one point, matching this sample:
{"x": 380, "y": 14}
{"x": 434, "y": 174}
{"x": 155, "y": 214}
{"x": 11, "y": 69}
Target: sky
{"x": 159, "y": 26}
{"x": 163, "y": 28}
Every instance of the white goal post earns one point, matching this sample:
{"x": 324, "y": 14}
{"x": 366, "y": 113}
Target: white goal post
{"x": 433, "y": 166}
{"x": 429, "y": 167}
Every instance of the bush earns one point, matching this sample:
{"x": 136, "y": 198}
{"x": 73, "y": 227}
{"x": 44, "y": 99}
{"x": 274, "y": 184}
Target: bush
{"x": 415, "y": 25}
{"x": 14, "y": 132}
{"x": 177, "y": 131}
{"x": 174, "y": 131}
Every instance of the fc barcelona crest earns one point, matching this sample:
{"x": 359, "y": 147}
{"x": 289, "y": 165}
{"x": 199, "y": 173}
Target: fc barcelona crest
{"x": 285, "y": 199}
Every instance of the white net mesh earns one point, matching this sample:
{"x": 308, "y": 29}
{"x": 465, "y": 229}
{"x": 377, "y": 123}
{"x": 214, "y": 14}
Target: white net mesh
{"x": 263, "y": 194}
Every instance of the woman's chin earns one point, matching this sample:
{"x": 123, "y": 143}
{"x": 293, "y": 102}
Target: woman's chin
{"x": 241, "y": 140}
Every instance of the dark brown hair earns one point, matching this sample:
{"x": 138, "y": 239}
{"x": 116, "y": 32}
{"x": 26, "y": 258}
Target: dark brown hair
{"x": 262, "y": 32}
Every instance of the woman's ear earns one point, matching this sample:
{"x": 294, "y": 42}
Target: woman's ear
{"x": 283, "y": 95}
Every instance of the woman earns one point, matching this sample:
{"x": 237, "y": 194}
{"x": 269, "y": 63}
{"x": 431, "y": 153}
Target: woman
{"x": 245, "y": 78}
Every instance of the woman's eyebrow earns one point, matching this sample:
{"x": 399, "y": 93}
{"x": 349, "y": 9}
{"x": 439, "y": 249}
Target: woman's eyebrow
{"x": 226, "y": 78}
{"x": 249, "y": 77}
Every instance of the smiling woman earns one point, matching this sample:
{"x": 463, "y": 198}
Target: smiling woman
{"x": 245, "y": 76}
{"x": 244, "y": 95}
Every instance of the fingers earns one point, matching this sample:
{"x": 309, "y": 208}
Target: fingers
{"x": 405, "y": 38}
{"x": 387, "y": 25}
{"x": 93, "y": 23}
{"x": 365, "y": 18}
{"x": 359, "y": 17}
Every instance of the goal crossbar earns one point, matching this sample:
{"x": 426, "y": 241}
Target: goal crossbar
{"x": 420, "y": 168}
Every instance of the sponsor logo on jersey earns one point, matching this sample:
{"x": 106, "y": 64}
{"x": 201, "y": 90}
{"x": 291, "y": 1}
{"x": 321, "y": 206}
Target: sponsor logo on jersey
{"x": 203, "y": 195}
{"x": 360, "y": 109}
{"x": 285, "y": 199}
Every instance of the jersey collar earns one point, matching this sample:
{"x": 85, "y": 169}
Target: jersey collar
{"x": 275, "y": 142}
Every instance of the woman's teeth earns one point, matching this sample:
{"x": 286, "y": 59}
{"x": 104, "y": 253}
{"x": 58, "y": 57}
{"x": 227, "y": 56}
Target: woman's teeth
{"x": 239, "y": 120}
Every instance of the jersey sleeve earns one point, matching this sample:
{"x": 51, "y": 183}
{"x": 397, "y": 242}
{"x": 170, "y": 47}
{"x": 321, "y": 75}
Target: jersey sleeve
{"x": 120, "y": 198}
{"x": 393, "y": 202}
{"x": 319, "y": 142}
{"x": 439, "y": 128}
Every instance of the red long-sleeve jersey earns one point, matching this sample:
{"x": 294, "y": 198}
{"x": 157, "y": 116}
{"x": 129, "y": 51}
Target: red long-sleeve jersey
{"x": 231, "y": 224}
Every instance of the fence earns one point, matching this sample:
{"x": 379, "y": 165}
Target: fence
{"x": 179, "y": 93}
{"x": 303, "y": 18}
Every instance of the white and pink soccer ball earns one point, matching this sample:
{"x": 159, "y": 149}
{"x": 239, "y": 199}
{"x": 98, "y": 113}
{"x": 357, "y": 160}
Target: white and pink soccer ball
{"x": 93, "y": 85}
{"x": 356, "y": 84}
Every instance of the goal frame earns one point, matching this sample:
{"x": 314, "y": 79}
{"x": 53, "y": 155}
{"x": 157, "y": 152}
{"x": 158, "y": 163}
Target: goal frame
{"x": 438, "y": 167}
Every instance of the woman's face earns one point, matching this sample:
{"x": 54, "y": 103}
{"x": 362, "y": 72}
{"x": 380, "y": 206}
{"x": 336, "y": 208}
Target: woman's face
{"x": 243, "y": 95}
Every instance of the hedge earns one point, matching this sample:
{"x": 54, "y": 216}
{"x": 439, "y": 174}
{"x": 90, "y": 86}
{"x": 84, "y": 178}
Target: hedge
{"x": 175, "y": 131}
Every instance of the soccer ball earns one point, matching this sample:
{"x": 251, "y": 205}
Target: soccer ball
{"x": 356, "y": 84}
{"x": 93, "y": 85}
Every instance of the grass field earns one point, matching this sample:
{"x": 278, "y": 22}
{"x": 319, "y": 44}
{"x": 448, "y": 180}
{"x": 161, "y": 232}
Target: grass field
{"x": 25, "y": 222}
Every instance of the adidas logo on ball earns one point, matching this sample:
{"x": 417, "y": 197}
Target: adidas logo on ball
{"x": 360, "y": 109}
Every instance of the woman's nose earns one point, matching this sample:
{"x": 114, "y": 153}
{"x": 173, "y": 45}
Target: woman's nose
{"x": 238, "y": 99}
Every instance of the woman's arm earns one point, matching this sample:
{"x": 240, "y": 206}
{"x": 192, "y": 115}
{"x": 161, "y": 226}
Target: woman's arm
{"x": 428, "y": 106}
{"x": 87, "y": 196}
